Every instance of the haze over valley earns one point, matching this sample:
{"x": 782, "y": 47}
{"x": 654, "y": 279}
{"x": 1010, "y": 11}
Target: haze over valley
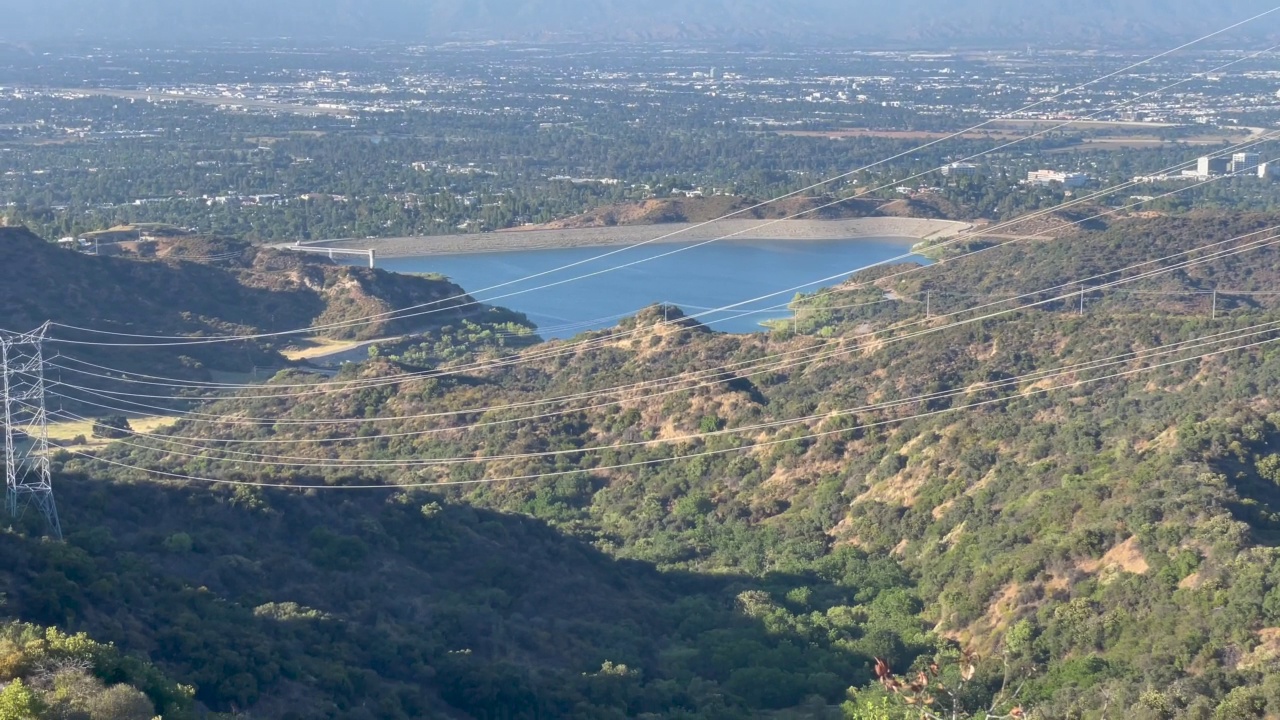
{"x": 840, "y": 23}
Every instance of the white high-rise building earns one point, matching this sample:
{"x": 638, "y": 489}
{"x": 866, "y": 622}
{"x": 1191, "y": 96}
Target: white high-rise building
{"x": 1207, "y": 166}
{"x": 1244, "y": 161}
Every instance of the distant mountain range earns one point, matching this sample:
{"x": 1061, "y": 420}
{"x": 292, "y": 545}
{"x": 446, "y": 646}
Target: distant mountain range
{"x": 923, "y": 23}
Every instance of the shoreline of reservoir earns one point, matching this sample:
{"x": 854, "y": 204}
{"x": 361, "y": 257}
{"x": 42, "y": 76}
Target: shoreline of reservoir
{"x": 909, "y": 230}
{"x": 752, "y": 280}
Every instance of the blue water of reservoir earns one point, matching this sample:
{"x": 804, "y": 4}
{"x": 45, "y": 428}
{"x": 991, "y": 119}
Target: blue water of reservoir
{"x": 698, "y": 279}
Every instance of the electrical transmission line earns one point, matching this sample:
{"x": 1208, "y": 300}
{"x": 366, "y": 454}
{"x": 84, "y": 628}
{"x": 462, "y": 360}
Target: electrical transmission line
{"x": 312, "y": 462}
{"x": 1029, "y": 392}
{"x": 1036, "y": 298}
{"x": 248, "y": 458}
{"x": 26, "y": 431}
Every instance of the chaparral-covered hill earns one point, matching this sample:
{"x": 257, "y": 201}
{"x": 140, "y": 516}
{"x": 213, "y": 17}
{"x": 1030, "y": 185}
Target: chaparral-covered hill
{"x": 1066, "y": 492}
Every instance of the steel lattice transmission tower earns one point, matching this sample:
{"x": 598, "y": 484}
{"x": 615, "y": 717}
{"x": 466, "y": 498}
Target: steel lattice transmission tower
{"x": 26, "y": 431}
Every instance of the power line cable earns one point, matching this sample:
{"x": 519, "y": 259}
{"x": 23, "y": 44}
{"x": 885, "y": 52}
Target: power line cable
{"x": 1038, "y": 375}
{"x": 658, "y": 461}
{"x": 1072, "y": 284}
{"x": 1256, "y": 245}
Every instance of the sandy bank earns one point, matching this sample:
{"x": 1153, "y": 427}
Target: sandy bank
{"x": 911, "y": 230}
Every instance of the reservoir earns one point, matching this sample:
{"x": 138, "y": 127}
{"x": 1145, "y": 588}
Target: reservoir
{"x": 698, "y": 279}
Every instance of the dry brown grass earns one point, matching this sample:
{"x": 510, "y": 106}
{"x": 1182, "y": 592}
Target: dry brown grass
{"x": 1124, "y": 557}
{"x": 63, "y": 433}
{"x": 896, "y": 134}
{"x": 1127, "y": 135}
{"x": 1267, "y": 650}
{"x": 319, "y": 347}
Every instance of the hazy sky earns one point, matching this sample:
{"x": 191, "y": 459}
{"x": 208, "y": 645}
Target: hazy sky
{"x": 925, "y": 21}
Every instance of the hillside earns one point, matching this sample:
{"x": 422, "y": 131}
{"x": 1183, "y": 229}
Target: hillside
{"x": 378, "y": 605}
{"x": 699, "y": 210}
{"x": 206, "y": 286}
{"x": 48, "y": 673}
{"x": 1111, "y": 533}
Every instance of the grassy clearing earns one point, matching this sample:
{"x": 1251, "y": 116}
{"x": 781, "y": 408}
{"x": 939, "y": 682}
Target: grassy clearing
{"x": 1113, "y": 135}
{"x": 1081, "y": 124}
{"x": 1139, "y": 142}
{"x": 319, "y": 347}
{"x": 63, "y": 433}
{"x": 898, "y": 134}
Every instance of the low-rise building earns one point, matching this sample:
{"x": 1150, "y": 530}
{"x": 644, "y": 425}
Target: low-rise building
{"x": 1068, "y": 179}
{"x": 960, "y": 170}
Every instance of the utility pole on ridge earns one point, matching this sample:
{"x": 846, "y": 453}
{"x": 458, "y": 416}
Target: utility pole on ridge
{"x": 26, "y": 426}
